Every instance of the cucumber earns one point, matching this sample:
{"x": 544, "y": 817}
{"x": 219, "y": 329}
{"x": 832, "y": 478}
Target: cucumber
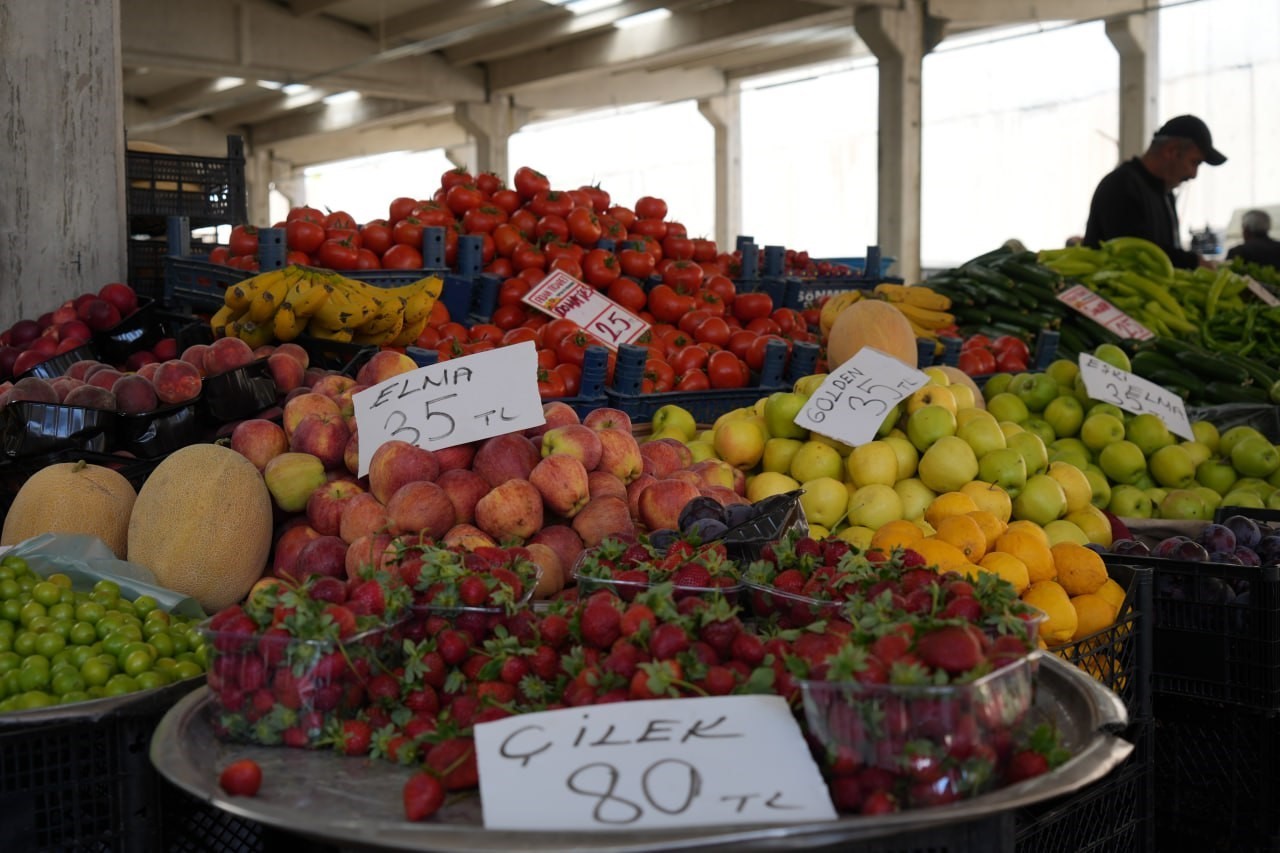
{"x": 1028, "y": 273}
{"x": 1177, "y": 378}
{"x": 986, "y": 275}
{"x": 1150, "y": 359}
{"x": 1262, "y": 374}
{"x": 1225, "y": 392}
{"x": 966, "y": 316}
{"x": 1012, "y": 316}
{"x": 1208, "y": 366}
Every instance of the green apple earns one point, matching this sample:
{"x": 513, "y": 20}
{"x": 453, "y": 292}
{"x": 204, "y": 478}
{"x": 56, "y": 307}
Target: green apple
{"x": 814, "y": 460}
{"x": 1254, "y": 456}
{"x": 780, "y": 410}
{"x": 873, "y": 462}
{"x": 1184, "y": 503}
{"x": 678, "y": 418}
{"x": 932, "y": 394}
{"x": 997, "y": 384}
{"x": 778, "y": 453}
{"x": 1106, "y": 408}
{"x": 1144, "y": 481}
{"x": 915, "y": 496}
{"x": 1074, "y": 482}
{"x": 1244, "y": 498}
{"x": 1009, "y": 428}
{"x": 1122, "y": 461}
{"x": 703, "y": 450}
{"x": 1112, "y": 355}
{"x": 1065, "y": 415}
{"x": 825, "y": 501}
{"x": 1041, "y": 500}
{"x": 1101, "y": 430}
{"x": 1207, "y": 434}
{"x": 1099, "y": 487}
{"x": 966, "y": 396}
{"x": 874, "y": 505}
{"x": 1130, "y": 502}
{"x": 1216, "y": 474}
{"x": 1259, "y": 487}
{"x": 983, "y": 434}
{"x": 1032, "y": 448}
{"x": 1157, "y": 494}
{"x": 768, "y": 483}
{"x": 1006, "y": 467}
{"x": 1148, "y": 432}
{"x": 675, "y": 432}
{"x": 1036, "y": 390}
{"x": 1040, "y": 427}
{"x": 1070, "y": 450}
{"x": 1211, "y": 498}
{"x": 1172, "y": 467}
{"x": 908, "y": 456}
{"x": 1081, "y": 392}
{"x": 948, "y": 464}
{"x": 1062, "y": 530}
{"x": 891, "y": 420}
{"x": 806, "y": 385}
{"x": 1007, "y": 406}
{"x": 1198, "y": 450}
{"x": 1229, "y": 439}
{"x": 1063, "y": 371}
{"x": 1273, "y": 500}
{"x": 928, "y": 424}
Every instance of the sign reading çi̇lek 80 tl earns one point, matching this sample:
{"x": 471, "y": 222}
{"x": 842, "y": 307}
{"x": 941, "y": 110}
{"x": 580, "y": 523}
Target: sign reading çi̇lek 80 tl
{"x": 852, "y": 402}
{"x": 453, "y": 402}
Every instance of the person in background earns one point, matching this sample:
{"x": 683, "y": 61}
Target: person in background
{"x": 1257, "y": 247}
{"x": 1136, "y": 198}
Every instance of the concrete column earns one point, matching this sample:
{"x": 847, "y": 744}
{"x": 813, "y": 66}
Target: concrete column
{"x": 463, "y": 156}
{"x": 897, "y": 37}
{"x": 1137, "y": 39}
{"x": 257, "y": 179}
{"x": 491, "y": 125}
{"x": 62, "y": 208}
{"x": 724, "y": 112}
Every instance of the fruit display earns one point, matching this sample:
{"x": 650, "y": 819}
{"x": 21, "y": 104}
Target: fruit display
{"x": 29, "y": 343}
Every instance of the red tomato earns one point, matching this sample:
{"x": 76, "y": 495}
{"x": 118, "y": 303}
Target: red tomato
{"x": 508, "y": 200}
{"x": 684, "y": 276}
{"x": 488, "y": 182}
{"x": 400, "y": 208}
{"x": 668, "y": 305}
{"x": 694, "y": 380}
{"x": 655, "y": 228}
{"x": 338, "y": 254}
{"x": 532, "y": 275}
{"x": 710, "y": 302}
{"x": 485, "y": 332}
{"x": 627, "y": 293}
{"x": 508, "y": 317}
{"x": 689, "y": 358}
{"x": 241, "y": 778}
{"x": 462, "y": 197}
{"x": 599, "y": 198}
{"x": 454, "y": 177}
{"x": 518, "y": 334}
{"x": 483, "y": 219}
{"x": 624, "y": 215}
{"x": 713, "y": 330}
{"x": 1011, "y": 362}
{"x": 755, "y": 352}
{"x": 572, "y": 349}
{"x": 450, "y": 329}
{"x": 723, "y": 287}
{"x": 740, "y": 341}
{"x": 376, "y": 238}
{"x": 408, "y": 232}
{"x": 978, "y": 340}
{"x": 704, "y": 250}
{"x": 648, "y": 207}
{"x": 505, "y": 239}
{"x": 660, "y": 374}
{"x": 584, "y": 226}
{"x": 637, "y": 264}
{"x": 433, "y": 214}
{"x": 351, "y": 234}
{"x": 550, "y": 384}
{"x": 764, "y": 326}
{"x": 524, "y": 219}
{"x": 726, "y": 370}
{"x": 527, "y": 255}
{"x": 299, "y": 258}
{"x": 558, "y": 329}
{"x": 788, "y": 320}
{"x": 690, "y": 321}
{"x": 511, "y": 291}
{"x": 601, "y": 267}
{"x": 429, "y": 338}
{"x": 367, "y": 260}
{"x": 310, "y": 214}
{"x": 567, "y": 265}
{"x": 977, "y": 361}
{"x": 749, "y": 306}
{"x": 402, "y": 257}
{"x": 551, "y": 227}
{"x": 219, "y": 255}
{"x": 612, "y": 228}
{"x": 244, "y": 240}
{"x": 677, "y": 248}
{"x": 501, "y": 267}
{"x": 571, "y": 375}
{"x": 340, "y": 219}
{"x": 304, "y": 235}
{"x": 529, "y": 182}
{"x": 1011, "y": 344}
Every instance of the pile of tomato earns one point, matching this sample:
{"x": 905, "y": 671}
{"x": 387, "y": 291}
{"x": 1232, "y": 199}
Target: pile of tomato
{"x": 981, "y": 355}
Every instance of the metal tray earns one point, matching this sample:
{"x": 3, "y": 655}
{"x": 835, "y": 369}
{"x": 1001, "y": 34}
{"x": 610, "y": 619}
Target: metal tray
{"x": 356, "y": 802}
{"x": 138, "y": 703}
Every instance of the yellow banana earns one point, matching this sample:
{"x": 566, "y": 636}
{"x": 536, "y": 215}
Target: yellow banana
{"x": 422, "y": 300}
{"x": 254, "y": 334}
{"x": 382, "y": 337}
{"x": 324, "y": 334}
{"x": 337, "y": 312}
{"x": 832, "y": 308}
{"x": 306, "y": 295}
{"x": 268, "y": 298}
{"x": 925, "y": 317}
{"x": 224, "y": 315}
{"x": 916, "y": 294}
{"x": 392, "y": 316}
{"x": 286, "y": 325}
{"x": 410, "y": 332}
{"x": 239, "y": 295}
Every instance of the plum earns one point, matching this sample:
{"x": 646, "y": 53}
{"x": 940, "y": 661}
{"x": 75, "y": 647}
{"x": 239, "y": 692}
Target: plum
{"x": 663, "y": 538}
{"x": 1228, "y": 557}
{"x": 1217, "y": 537}
{"x": 1247, "y": 556}
{"x": 1269, "y": 549}
{"x": 701, "y": 507}
{"x": 1190, "y": 551}
{"x": 1246, "y": 530}
{"x": 708, "y": 529}
{"x": 1130, "y": 546}
{"x": 1166, "y": 547}
{"x": 736, "y": 514}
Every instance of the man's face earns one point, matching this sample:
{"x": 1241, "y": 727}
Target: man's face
{"x": 1183, "y": 163}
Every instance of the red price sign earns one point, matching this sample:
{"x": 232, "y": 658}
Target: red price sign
{"x": 562, "y": 295}
{"x": 1104, "y": 313}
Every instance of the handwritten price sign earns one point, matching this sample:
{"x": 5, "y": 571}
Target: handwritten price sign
{"x": 650, "y": 764}
{"x": 453, "y": 402}
{"x": 1104, "y": 313}
{"x": 1134, "y": 394}
{"x": 851, "y": 403}
{"x": 562, "y": 295}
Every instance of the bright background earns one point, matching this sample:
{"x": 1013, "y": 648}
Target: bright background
{"x": 1019, "y": 126}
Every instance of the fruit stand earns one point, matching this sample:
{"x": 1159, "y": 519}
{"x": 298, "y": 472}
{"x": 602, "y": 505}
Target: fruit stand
{"x": 526, "y": 451}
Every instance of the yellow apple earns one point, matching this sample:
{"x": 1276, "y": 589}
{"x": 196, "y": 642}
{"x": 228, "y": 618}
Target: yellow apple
{"x": 806, "y": 385}
{"x": 1063, "y": 530}
{"x": 965, "y": 398}
{"x": 1075, "y": 485}
{"x": 874, "y": 505}
{"x": 873, "y": 462}
{"x": 915, "y": 496}
{"x": 740, "y": 442}
{"x": 931, "y": 395}
{"x": 937, "y": 375}
{"x": 839, "y": 446}
{"x": 908, "y": 456}
{"x": 769, "y": 483}
{"x": 825, "y": 501}
{"x": 1094, "y": 523}
{"x": 813, "y": 460}
{"x": 778, "y": 453}
{"x": 857, "y": 536}
{"x": 702, "y": 450}
{"x": 990, "y": 497}
{"x": 948, "y": 464}
{"x": 673, "y": 417}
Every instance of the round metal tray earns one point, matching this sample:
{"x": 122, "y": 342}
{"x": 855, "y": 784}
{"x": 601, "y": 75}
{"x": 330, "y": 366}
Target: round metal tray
{"x": 139, "y": 702}
{"x": 356, "y": 802}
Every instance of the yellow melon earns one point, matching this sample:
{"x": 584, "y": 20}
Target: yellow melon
{"x": 72, "y": 497}
{"x": 202, "y": 525}
{"x": 873, "y": 323}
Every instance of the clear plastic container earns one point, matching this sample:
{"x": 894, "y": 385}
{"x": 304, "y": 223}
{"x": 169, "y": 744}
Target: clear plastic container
{"x": 790, "y": 610}
{"x": 628, "y": 590}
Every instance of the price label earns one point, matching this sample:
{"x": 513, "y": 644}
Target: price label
{"x": 562, "y": 295}
{"x": 1104, "y": 313}
{"x": 650, "y": 764}
{"x": 1259, "y": 290}
{"x": 453, "y": 402}
{"x": 1110, "y": 384}
{"x": 852, "y": 401}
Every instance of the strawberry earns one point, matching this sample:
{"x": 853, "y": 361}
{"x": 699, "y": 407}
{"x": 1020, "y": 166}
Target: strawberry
{"x": 454, "y": 761}
{"x": 846, "y": 793}
{"x": 720, "y": 635}
{"x": 911, "y": 560}
{"x": 544, "y": 662}
{"x": 422, "y": 700}
{"x": 623, "y": 659}
{"x": 453, "y": 646}
{"x": 748, "y": 648}
{"x": 1025, "y": 764}
{"x": 668, "y": 640}
{"x": 423, "y": 796}
{"x": 638, "y": 617}
{"x": 241, "y": 778}
{"x": 950, "y": 648}
{"x": 879, "y": 802}
{"x": 600, "y": 625}
{"x": 692, "y": 575}
{"x": 383, "y": 689}
{"x": 343, "y": 617}
{"x": 890, "y": 647}
{"x": 473, "y": 590}
{"x": 513, "y": 670}
{"x": 719, "y": 680}
{"x": 353, "y": 737}
{"x": 328, "y": 589}
{"x": 807, "y": 547}
{"x": 963, "y": 607}
{"x": 498, "y": 692}
{"x": 833, "y": 550}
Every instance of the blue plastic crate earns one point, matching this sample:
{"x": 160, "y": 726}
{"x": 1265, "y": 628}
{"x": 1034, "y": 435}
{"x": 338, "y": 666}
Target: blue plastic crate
{"x": 804, "y": 293}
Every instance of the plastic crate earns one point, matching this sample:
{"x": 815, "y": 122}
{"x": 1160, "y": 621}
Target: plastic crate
{"x": 191, "y": 825}
{"x": 146, "y": 266}
{"x": 801, "y": 293}
{"x": 210, "y": 188}
{"x": 1206, "y": 647}
{"x": 1115, "y": 813}
{"x": 1217, "y": 777}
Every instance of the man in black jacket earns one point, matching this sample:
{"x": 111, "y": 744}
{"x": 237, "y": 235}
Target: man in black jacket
{"x": 1136, "y": 198}
{"x": 1257, "y": 247}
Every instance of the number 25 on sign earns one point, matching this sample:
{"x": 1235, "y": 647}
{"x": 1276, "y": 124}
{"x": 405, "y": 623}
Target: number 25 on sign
{"x": 562, "y": 295}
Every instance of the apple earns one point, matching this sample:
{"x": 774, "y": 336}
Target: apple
{"x": 1035, "y": 390}
{"x": 1100, "y": 487}
{"x": 928, "y": 424}
{"x": 780, "y": 410}
{"x": 421, "y": 507}
{"x": 806, "y": 385}
{"x": 563, "y": 483}
{"x": 288, "y": 544}
{"x": 308, "y": 403}
{"x": 908, "y": 456}
{"x": 717, "y": 472}
{"x": 1095, "y": 524}
{"x": 825, "y": 501}
{"x": 677, "y": 418}
{"x": 326, "y": 504}
{"x": 604, "y": 483}
{"x": 367, "y": 551}
{"x": 778, "y": 453}
{"x": 383, "y": 365}
{"x": 1186, "y": 504}
{"x": 1148, "y": 432}
{"x": 1075, "y": 485}
{"x": 323, "y": 436}
{"x": 1207, "y": 434}
{"x": 1244, "y": 498}
{"x": 291, "y": 478}
{"x": 915, "y": 497}
{"x": 364, "y": 515}
{"x": 723, "y": 496}
{"x": 873, "y": 462}
{"x": 1197, "y": 451}
{"x": 1007, "y": 406}
{"x": 332, "y": 385}
{"x": 932, "y": 394}
{"x": 1041, "y": 500}
{"x": 562, "y": 539}
{"x": 606, "y": 417}
{"x": 100, "y": 315}
{"x": 1032, "y": 448}
{"x": 511, "y": 509}
{"x": 397, "y": 462}
{"x": 948, "y": 464}
{"x": 509, "y": 457}
{"x": 259, "y": 441}
{"x": 660, "y": 504}
{"x": 1063, "y": 371}
{"x": 1112, "y": 355}
{"x": 1172, "y": 467}
{"x": 576, "y": 440}
{"x": 769, "y": 483}
{"x": 1254, "y": 456}
{"x": 603, "y": 517}
{"x": 458, "y": 456}
{"x": 1122, "y": 462}
{"x": 989, "y": 497}
{"x": 620, "y": 454}
{"x": 555, "y": 413}
{"x": 740, "y": 442}
{"x": 325, "y": 556}
{"x": 982, "y": 433}
{"x": 286, "y": 372}
{"x": 635, "y": 488}
{"x": 1005, "y": 467}
{"x": 1065, "y": 415}
{"x": 1217, "y": 474}
{"x": 815, "y": 459}
{"x": 875, "y": 505}
{"x": 468, "y": 537}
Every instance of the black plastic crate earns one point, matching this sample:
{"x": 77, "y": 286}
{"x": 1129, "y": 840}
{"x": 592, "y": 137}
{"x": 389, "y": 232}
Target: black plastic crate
{"x": 1215, "y": 632}
{"x": 191, "y": 825}
{"x": 992, "y": 834}
{"x": 1217, "y": 776}
{"x": 212, "y": 188}
{"x": 146, "y": 266}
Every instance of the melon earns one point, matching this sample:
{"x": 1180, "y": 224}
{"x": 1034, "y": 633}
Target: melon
{"x": 202, "y": 525}
{"x": 72, "y": 497}
{"x": 871, "y": 323}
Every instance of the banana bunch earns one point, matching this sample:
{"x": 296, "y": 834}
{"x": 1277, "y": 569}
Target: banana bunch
{"x": 282, "y": 304}
{"x": 927, "y": 312}
{"x": 832, "y": 308}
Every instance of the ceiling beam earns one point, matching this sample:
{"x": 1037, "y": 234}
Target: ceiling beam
{"x": 451, "y": 21}
{"x": 683, "y": 34}
{"x": 269, "y": 104}
{"x": 302, "y": 8}
{"x": 422, "y": 135}
{"x": 625, "y": 88}
{"x": 330, "y": 118}
{"x": 205, "y": 92}
{"x": 996, "y": 12}
{"x": 564, "y": 26}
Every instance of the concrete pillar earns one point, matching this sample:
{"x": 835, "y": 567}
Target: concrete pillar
{"x": 491, "y": 125}
{"x": 897, "y": 37}
{"x": 62, "y": 208}
{"x": 463, "y": 156}
{"x": 724, "y": 112}
{"x": 1137, "y": 39}
{"x": 257, "y": 179}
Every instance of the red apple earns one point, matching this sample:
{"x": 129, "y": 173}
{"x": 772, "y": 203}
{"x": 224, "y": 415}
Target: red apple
{"x": 323, "y": 436}
{"x": 421, "y": 507}
{"x": 396, "y": 463}
{"x": 325, "y": 556}
{"x": 564, "y": 541}
{"x": 608, "y": 418}
{"x": 620, "y": 454}
{"x": 602, "y": 518}
{"x": 121, "y": 296}
{"x": 383, "y": 365}
{"x": 362, "y": 516}
{"x": 505, "y": 457}
{"x": 308, "y": 403}
{"x": 468, "y": 537}
{"x": 662, "y": 456}
{"x": 576, "y": 440}
{"x": 660, "y": 504}
{"x": 288, "y": 544}
{"x": 512, "y": 509}
{"x": 259, "y": 441}
{"x": 562, "y": 482}
{"x": 558, "y": 414}
{"x": 326, "y": 504}
{"x": 465, "y": 488}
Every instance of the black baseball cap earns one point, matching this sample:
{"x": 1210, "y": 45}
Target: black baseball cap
{"x": 1190, "y": 127}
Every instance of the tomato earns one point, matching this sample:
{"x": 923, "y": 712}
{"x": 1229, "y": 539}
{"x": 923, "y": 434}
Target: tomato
{"x": 529, "y": 182}
{"x": 648, "y": 207}
{"x": 660, "y": 373}
{"x": 572, "y": 349}
{"x": 527, "y": 255}
{"x": 600, "y": 267}
{"x": 625, "y": 216}
{"x": 704, "y": 250}
{"x": 338, "y": 254}
{"x": 611, "y": 228}
{"x": 303, "y": 235}
{"x": 429, "y": 338}
{"x": 340, "y": 219}
{"x": 376, "y": 238}
{"x": 550, "y": 384}
{"x": 726, "y": 370}
{"x": 673, "y": 342}
{"x": 584, "y": 226}
{"x": 462, "y": 197}
{"x": 551, "y": 203}
{"x": 509, "y": 316}
{"x": 567, "y": 265}
{"x": 755, "y": 352}
{"x": 489, "y": 182}
{"x": 501, "y": 267}
{"x": 400, "y": 208}
{"x": 677, "y": 248}
{"x": 571, "y": 374}
{"x": 487, "y": 251}
{"x": 454, "y": 177}
{"x": 668, "y": 305}
{"x": 713, "y": 330}
{"x": 517, "y": 334}
{"x": 408, "y": 232}
{"x": 511, "y": 291}
{"x": 219, "y": 255}
{"x": 484, "y": 332}
{"x": 1013, "y": 345}
{"x": 367, "y": 260}
{"x": 708, "y": 301}
{"x": 690, "y": 321}
{"x": 439, "y": 314}
{"x": 351, "y": 234}
{"x": 402, "y": 257}
{"x": 551, "y": 227}
{"x": 636, "y": 263}
{"x": 505, "y": 239}
{"x": 599, "y": 198}
{"x": 451, "y": 234}
{"x": 788, "y": 320}
{"x": 532, "y": 275}
{"x": 564, "y": 249}
{"x": 764, "y": 326}
{"x": 1010, "y": 361}
{"x": 506, "y": 200}
{"x": 241, "y": 778}
{"x": 977, "y": 361}
{"x": 298, "y": 258}
{"x": 483, "y": 219}
{"x": 749, "y": 306}
{"x": 684, "y": 276}
{"x": 740, "y": 341}
{"x": 694, "y": 380}
{"x": 524, "y": 219}
{"x": 627, "y": 293}
{"x": 557, "y": 329}
{"x": 723, "y": 287}
{"x": 688, "y": 358}
{"x": 244, "y": 240}
{"x": 977, "y": 340}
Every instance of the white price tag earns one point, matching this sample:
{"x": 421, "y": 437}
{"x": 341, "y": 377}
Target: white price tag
{"x": 650, "y": 764}
{"x": 453, "y": 402}
{"x": 1104, "y": 313}
{"x": 562, "y": 295}
{"x": 852, "y": 401}
{"x": 1259, "y": 290}
{"x": 1134, "y": 394}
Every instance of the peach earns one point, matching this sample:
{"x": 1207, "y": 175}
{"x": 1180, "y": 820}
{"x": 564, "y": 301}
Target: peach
{"x": 135, "y": 394}
{"x": 194, "y": 355}
{"x": 226, "y": 354}
{"x": 104, "y": 378}
{"x": 91, "y": 397}
{"x": 295, "y": 352}
{"x": 383, "y": 365}
{"x": 285, "y": 371}
{"x": 176, "y": 381}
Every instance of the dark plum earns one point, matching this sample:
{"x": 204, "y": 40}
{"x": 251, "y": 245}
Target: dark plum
{"x": 736, "y": 514}
{"x": 1217, "y": 537}
{"x": 663, "y": 538}
{"x": 1269, "y": 549}
{"x": 1166, "y": 547}
{"x": 1228, "y": 557}
{"x": 699, "y": 508}
{"x": 708, "y": 529}
{"x": 1130, "y": 546}
{"x": 1191, "y": 552}
{"x": 1215, "y": 591}
{"x": 1247, "y": 556}
{"x": 1246, "y": 530}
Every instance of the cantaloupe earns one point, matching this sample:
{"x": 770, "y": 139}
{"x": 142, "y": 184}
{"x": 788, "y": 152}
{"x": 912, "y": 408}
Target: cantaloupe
{"x": 72, "y": 497}
{"x": 202, "y": 525}
{"x": 873, "y": 323}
